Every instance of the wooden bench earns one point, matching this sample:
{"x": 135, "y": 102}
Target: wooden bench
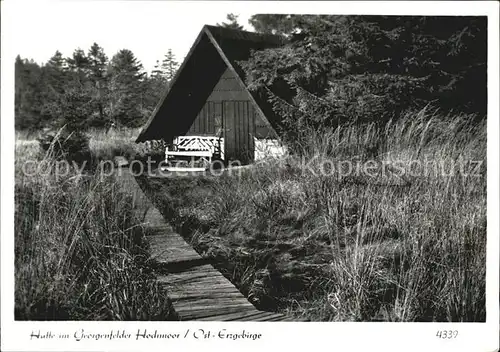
{"x": 202, "y": 147}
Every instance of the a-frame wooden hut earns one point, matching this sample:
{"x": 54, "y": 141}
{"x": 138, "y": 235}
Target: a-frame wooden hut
{"x": 208, "y": 102}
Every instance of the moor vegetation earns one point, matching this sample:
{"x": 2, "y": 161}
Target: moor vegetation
{"x": 309, "y": 234}
{"x": 405, "y": 242}
{"x": 80, "y": 253}
{"x": 392, "y": 110}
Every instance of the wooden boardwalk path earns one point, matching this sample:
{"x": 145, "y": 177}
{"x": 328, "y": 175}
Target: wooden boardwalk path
{"x": 197, "y": 290}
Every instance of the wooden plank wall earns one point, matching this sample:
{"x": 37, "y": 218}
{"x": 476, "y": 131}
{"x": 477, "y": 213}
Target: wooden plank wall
{"x": 227, "y": 88}
{"x": 239, "y": 127}
{"x": 208, "y": 121}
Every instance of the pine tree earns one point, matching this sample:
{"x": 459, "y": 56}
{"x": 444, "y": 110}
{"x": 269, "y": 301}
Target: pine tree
{"x": 55, "y": 73}
{"x": 54, "y": 77}
{"x": 78, "y": 61}
{"x": 157, "y": 72}
{"x": 20, "y": 87}
{"x": 97, "y": 65}
{"x": 337, "y": 69}
{"x": 232, "y": 22}
{"x": 57, "y": 60}
{"x": 78, "y": 69}
{"x": 97, "y": 62}
{"x": 127, "y": 85}
{"x": 169, "y": 65}
{"x": 28, "y": 100}
{"x": 156, "y": 85}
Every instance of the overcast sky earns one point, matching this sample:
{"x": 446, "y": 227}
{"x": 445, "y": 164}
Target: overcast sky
{"x": 149, "y": 29}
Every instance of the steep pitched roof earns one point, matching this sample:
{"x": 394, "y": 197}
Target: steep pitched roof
{"x": 214, "y": 50}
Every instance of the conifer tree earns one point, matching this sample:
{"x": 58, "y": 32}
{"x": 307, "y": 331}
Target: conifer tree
{"x": 28, "y": 99}
{"x": 169, "y": 65}
{"x": 78, "y": 62}
{"x": 336, "y": 69}
{"x": 97, "y": 66}
{"x": 127, "y": 85}
{"x": 232, "y": 22}
{"x": 55, "y": 73}
{"x": 157, "y": 72}
{"x": 157, "y": 84}
{"x": 98, "y": 62}
{"x": 54, "y": 76}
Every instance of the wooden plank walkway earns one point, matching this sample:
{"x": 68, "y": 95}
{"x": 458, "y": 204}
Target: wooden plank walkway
{"x": 197, "y": 290}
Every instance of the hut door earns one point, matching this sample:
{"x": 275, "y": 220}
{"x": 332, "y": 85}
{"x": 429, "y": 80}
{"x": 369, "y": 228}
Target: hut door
{"x": 239, "y": 130}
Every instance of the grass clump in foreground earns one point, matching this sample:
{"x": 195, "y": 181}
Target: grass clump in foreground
{"x": 397, "y": 244}
{"x": 80, "y": 253}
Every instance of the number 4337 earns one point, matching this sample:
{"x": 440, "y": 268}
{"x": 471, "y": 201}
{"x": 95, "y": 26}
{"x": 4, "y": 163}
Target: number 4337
{"x": 447, "y": 334}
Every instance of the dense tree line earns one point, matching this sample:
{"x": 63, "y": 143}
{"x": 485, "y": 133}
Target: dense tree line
{"x": 338, "y": 69}
{"x": 333, "y": 69}
{"x": 88, "y": 90}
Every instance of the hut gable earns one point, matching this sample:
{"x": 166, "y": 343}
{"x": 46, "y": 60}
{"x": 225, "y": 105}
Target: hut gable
{"x": 228, "y": 88}
{"x": 208, "y": 74}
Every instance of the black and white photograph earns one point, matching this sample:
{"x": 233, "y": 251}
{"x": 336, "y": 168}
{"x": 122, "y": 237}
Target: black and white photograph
{"x": 205, "y": 162}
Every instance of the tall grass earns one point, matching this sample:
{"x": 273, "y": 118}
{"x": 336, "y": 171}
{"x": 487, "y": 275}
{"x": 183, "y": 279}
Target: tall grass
{"x": 405, "y": 242}
{"x": 105, "y": 145}
{"x": 80, "y": 253}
